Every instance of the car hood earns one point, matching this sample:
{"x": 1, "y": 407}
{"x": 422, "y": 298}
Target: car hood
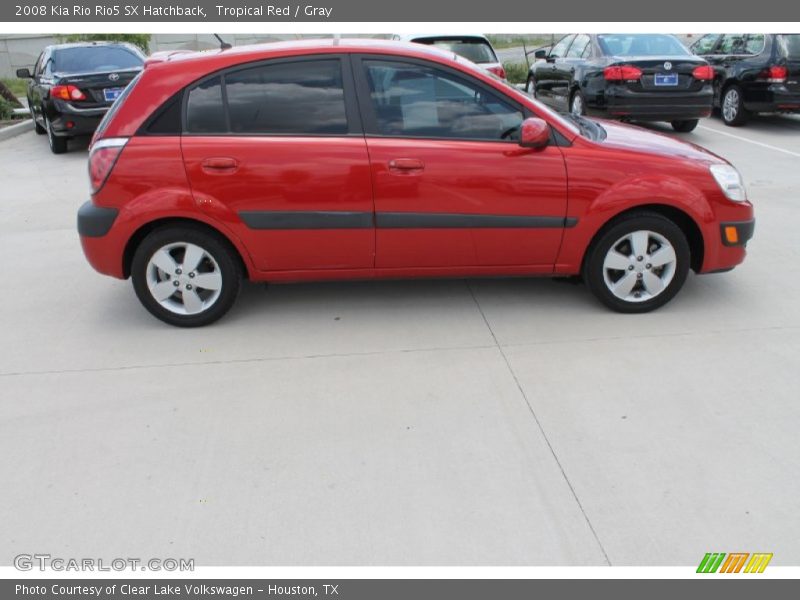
{"x": 639, "y": 139}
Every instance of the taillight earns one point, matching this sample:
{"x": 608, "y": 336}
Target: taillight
{"x": 102, "y": 158}
{"x": 623, "y": 73}
{"x": 499, "y": 71}
{"x": 774, "y": 74}
{"x": 67, "y": 92}
{"x": 703, "y": 73}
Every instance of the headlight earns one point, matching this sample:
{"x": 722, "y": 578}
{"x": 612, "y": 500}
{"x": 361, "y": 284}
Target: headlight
{"x": 729, "y": 181}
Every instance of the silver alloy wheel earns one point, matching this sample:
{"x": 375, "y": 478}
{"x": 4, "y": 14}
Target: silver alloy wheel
{"x": 576, "y": 108}
{"x": 730, "y": 104}
{"x": 184, "y": 278}
{"x": 530, "y": 87}
{"x": 639, "y": 266}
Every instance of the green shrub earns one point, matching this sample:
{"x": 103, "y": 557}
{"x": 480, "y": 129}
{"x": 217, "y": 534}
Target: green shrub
{"x": 516, "y": 72}
{"x": 142, "y": 40}
{"x": 6, "y": 110}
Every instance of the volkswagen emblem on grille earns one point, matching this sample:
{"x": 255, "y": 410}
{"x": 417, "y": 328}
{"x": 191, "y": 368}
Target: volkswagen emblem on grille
{"x": 668, "y": 66}
{"x": 113, "y": 76}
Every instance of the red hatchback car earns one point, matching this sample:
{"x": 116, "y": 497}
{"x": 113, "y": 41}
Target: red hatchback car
{"x": 339, "y": 159}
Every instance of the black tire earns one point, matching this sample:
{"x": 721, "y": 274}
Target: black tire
{"x": 58, "y": 145}
{"x": 530, "y": 86}
{"x": 575, "y": 101}
{"x": 38, "y": 128}
{"x": 685, "y": 126}
{"x": 739, "y": 115}
{"x": 215, "y": 246}
{"x": 593, "y": 271}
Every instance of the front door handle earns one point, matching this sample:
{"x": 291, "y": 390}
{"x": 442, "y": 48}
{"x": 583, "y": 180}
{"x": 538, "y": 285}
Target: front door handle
{"x": 220, "y": 164}
{"x": 406, "y": 165}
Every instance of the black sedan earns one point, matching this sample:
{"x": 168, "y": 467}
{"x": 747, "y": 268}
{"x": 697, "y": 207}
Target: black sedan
{"x": 755, "y": 72}
{"x": 73, "y": 85}
{"x": 636, "y": 77}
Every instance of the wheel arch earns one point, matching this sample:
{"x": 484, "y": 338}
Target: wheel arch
{"x": 689, "y": 227}
{"x": 143, "y": 230}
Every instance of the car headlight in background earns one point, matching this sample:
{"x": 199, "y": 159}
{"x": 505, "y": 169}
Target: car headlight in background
{"x": 730, "y": 182}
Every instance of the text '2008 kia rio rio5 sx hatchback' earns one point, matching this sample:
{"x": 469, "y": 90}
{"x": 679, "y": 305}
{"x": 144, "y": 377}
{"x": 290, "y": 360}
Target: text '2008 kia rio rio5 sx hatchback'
{"x": 337, "y": 159}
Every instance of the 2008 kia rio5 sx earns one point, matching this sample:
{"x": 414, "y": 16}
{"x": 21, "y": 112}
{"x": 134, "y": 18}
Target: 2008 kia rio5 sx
{"x": 341, "y": 159}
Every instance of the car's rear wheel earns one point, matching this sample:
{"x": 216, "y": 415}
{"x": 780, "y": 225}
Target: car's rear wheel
{"x": 685, "y": 126}
{"x": 58, "y": 145}
{"x": 577, "y": 105}
{"x": 732, "y": 107}
{"x": 638, "y": 263}
{"x": 186, "y": 276}
{"x": 530, "y": 86}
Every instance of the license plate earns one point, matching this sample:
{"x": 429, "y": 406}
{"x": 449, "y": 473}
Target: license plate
{"x": 666, "y": 79}
{"x": 111, "y": 94}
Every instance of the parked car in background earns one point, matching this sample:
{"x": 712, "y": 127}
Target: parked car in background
{"x": 754, "y": 73}
{"x": 636, "y": 77}
{"x": 322, "y": 160}
{"x": 476, "y": 48}
{"x": 73, "y": 85}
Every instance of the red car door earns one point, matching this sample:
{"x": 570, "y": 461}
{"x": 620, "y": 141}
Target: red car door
{"x": 276, "y": 150}
{"x": 451, "y": 186}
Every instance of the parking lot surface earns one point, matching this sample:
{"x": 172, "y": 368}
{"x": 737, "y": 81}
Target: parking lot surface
{"x": 496, "y": 422}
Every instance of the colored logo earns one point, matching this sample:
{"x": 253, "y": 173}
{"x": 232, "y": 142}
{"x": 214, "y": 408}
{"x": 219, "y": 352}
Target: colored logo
{"x": 735, "y": 562}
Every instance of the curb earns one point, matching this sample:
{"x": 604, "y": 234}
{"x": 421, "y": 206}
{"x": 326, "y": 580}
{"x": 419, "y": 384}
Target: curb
{"x": 11, "y": 131}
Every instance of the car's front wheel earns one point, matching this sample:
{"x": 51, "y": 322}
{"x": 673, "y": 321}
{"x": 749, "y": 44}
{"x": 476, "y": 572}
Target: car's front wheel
{"x": 732, "y": 107}
{"x": 638, "y": 263}
{"x": 685, "y": 126}
{"x": 185, "y": 275}
{"x": 577, "y": 105}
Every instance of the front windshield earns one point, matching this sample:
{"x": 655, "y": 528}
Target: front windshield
{"x": 641, "y": 44}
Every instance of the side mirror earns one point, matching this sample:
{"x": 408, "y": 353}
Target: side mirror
{"x": 534, "y": 133}
{"x": 540, "y": 54}
{"x": 24, "y": 74}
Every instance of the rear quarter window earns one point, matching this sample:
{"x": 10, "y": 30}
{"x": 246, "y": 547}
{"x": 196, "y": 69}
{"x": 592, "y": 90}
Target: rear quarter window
{"x": 476, "y": 50}
{"x": 790, "y": 46}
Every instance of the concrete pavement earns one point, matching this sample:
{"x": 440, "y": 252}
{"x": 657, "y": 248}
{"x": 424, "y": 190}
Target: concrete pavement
{"x": 412, "y": 423}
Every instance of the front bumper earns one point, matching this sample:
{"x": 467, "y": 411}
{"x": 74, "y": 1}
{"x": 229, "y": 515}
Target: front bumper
{"x": 737, "y": 233}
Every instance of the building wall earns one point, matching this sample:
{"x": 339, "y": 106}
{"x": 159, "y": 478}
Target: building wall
{"x": 18, "y": 51}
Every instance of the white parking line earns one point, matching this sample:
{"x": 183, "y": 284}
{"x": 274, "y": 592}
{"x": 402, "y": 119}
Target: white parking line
{"x": 749, "y": 141}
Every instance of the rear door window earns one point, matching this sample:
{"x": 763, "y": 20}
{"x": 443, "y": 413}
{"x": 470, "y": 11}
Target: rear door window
{"x": 285, "y": 98}
{"x": 305, "y": 97}
{"x": 754, "y": 43}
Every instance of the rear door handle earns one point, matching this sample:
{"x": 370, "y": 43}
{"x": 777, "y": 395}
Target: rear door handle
{"x": 406, "y": 165}
{"x": 220, "y": 164}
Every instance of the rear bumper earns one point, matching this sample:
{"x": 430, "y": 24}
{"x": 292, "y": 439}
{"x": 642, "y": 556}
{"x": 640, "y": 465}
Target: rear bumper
{"x": 70, "y": 120}
{"x": 775, "y": 98}
{"x": 95, "y": 221}
{"x": 651, "y": 106}
{"x": 102, "y": 247}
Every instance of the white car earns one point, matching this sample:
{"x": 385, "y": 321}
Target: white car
{"x": 473, "y": 47}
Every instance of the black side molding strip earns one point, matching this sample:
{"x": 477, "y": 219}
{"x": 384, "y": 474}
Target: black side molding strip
{"x": 306, "y": 219}
{"x": 409, "y": 220}
{"x": 257, "y": 219}
{"x": 95, "y": 221}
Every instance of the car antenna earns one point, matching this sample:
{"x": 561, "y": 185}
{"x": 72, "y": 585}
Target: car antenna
{"x": 223, "y": 45}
